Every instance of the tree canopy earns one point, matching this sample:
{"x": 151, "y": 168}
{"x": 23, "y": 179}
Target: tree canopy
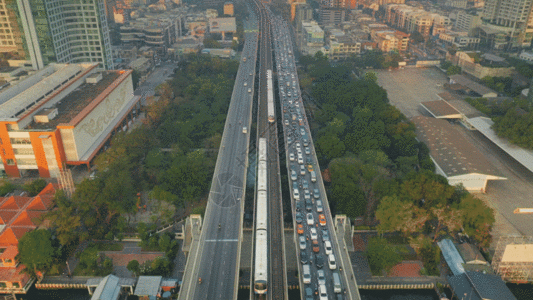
{"x": 37, "y": 250}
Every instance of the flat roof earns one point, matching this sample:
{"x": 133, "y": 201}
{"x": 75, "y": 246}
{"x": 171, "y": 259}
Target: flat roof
{"x": 72, "y": 104}
{"x": 222, "y": 25}
{"x": 523, "y": 156}
{"x": 148, "y": 285}
{"x": 462, "y": 106}
{"x": 450, "y": 150}
{"x": 522, "y": 253}
{"x": 44, "y": 82}
{"x": 474, "y": 86}
{"x": 441, "y": 109}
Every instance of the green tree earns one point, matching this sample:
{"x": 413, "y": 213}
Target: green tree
{"x": 453, "y": 70}
{"x": 446, "y": 217}
{"x": 397, "y": 215}
{"x": 37, "y": 251}
{"x": 417, "y": 37}
{"x": 134, "y": 267}
{"x": 199, "y": 210}
{"x": 382, "y": 255}
{"x": 35, "y": 187}
{"x": 330, "y": 146}
{"x": 477, "y": 219}
{"x": 371, "y": 76}
{"x": 6, "y": 187}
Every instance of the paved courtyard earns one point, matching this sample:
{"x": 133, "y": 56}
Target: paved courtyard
{"x": 407, "y": 88}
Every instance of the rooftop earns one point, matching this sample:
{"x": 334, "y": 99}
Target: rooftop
{"x": 450, "y": 150}
{"x": 148, "y": 285}
{"x": 452, "y": 257}
{"x": 108, "y": 289}
{"x": 472, "y": 85}
{"x": 441, "y": 109}
{"x": 37, "y": 89}
{"x": 523, "y": 156}
{"x": 72, "y": 104}
{"x": 471, "y": 254}
{"x": 222, "y": 25}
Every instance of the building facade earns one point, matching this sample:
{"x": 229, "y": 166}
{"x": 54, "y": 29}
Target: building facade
{"x": 467, "y": 22}
{"x": 46, "y": 31}
{"x": 62, "y": 115}
{"x": 331, "y": 16}
{"x": 513, "y": 16}
{"x": 228, "y": 9}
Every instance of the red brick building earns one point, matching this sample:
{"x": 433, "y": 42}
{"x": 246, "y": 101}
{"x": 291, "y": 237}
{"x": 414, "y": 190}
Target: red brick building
{"x": 18, "y": 215}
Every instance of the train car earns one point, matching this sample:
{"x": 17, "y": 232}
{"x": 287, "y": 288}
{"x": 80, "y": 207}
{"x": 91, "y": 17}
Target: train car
{"x": 262, "y": 176}
{"x": 261, "y": 262}
{"x": 261, "y": 223}
{"x": 262, "y": 149}
{"x": 270, "y": 97}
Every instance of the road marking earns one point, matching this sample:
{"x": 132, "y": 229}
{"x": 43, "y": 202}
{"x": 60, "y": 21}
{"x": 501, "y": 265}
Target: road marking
{"x": 223, "y": 240}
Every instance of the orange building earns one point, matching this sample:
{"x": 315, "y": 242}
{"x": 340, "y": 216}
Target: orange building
{"x": 18, "y": 215}
{"x": 62, "y": 115}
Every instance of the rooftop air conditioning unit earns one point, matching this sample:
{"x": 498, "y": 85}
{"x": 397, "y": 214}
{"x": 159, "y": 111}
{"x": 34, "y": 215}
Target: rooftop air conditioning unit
{"x": 94, "y": 78}
{"x": 45, "y": 115}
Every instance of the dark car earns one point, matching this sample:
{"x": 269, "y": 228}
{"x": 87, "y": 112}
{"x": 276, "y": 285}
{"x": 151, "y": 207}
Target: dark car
{"x": 319, "y": 261}
{"x": 325, "y": 235}
{"x": 309, "y": 294}
{"x": 308, "y": 205}
{"x": 299, "y": 217}
{"x": 304, "y": 257}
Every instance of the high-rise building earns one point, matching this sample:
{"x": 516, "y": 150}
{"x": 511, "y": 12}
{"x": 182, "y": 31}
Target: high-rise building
{"x": 331, "y": 16}
{"x": 513, "y": 16}
{"x": 65, "y": 31}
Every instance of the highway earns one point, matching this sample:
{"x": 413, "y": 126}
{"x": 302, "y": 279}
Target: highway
{"x": 306, "y": 191}
{"x": 217, "y": 260}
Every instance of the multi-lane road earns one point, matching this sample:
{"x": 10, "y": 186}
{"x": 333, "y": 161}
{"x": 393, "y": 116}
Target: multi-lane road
{"x": 312, "y": 218}
{"x": 214, "y": 270}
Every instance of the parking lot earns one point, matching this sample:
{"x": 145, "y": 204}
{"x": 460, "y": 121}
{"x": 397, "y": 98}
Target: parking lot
{"x": 407, "y": 88}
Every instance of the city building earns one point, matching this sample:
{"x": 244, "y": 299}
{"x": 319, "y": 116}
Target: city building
{"x": 228, "y": 9}
{"x": 222, "y": 26}
{"x": 342, "y": 48}
{"x": 158, "y": 31}
{"x": 481, "y": 65}
{"x": 391, "y": 40}
{"x": 512, "y": 17}
{"x": 18, "y": 215}
{"x": 513, "y": 258}
{"x": 459, "y": 40}
{"x": 148, "y": 287}
{"x": 62, "y": 115}
{"x": 466, "y": 21}
{"x": 456, "y": 3}
{"x": 331, "y": 16}
{"x": 303, "y": 13}
{"x": 58, "y": 31}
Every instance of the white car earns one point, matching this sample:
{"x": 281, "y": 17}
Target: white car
{"x": 321, "y": 277}
{"x": 294, "y": 176}
{"x": 314, "y": 235}
{"x": 332, "y": 263}
{"x": 246, "y": 84}
{"x": 303, "y": 243}
{"x": 291, "y": 156}
{"x": 286, "y": 122}
{"x": 244, "y": 130}
{"x": 327, "y": 247}
{"x": 249, "y": 90}
{"x": 310, "y": 219}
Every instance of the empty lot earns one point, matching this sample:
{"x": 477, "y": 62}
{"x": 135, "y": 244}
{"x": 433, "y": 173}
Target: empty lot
{"x": 407, "y": 88}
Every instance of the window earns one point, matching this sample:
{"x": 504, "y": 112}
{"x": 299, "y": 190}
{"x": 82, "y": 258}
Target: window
{"x": 20, "y": 141}
{"x": 16, "y": 284}
{"x": 10, "y": 162}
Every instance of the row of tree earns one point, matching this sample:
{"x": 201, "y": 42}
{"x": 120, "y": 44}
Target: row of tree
{"x": 165, "y": 155}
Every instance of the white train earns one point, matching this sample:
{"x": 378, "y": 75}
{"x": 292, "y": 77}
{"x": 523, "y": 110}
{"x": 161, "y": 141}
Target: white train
{"x": 270, "y": 97}
{"x": 261, "y": 223}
